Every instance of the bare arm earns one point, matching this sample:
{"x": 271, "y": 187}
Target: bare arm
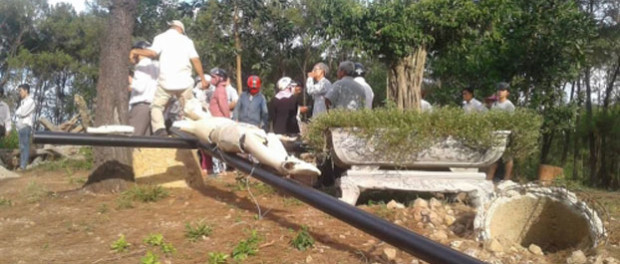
{"x": 198, "y": 68}
{"x": 134, "y": 53}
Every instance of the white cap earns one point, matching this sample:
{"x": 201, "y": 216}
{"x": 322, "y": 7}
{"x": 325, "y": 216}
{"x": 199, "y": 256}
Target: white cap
{"x": 177, "y": 23}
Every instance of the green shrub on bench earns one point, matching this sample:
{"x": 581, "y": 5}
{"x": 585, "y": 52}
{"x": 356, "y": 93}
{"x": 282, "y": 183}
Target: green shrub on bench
{"x": 407, "y": 131}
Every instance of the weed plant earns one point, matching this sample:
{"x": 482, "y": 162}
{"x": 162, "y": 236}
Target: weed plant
{"x": 397, "y": 132}
{"x": 5, "y": 202}
{"x": 247, "y": 247}
{"x": 303, "y": 240}
{"x": 150, "y": 258}
{"x": 120, "y": 245}
{"x": 201, "y": 229}
{"x": 217, "y": 258}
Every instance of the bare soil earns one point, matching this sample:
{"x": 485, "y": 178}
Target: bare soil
{"x": 46, "y": 217}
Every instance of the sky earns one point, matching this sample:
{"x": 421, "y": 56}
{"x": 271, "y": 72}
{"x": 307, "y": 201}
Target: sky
{"x": 78, "y": 5}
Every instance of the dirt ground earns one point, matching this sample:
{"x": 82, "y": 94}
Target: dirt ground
{"x": 45, "y": 217}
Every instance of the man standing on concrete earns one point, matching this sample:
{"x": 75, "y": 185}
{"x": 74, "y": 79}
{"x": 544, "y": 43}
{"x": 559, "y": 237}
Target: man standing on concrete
{"x": 5, "y": 119}
{"x": 175, "y": 51}
{"x": 24, "y": 115}
{"x": 502, "y": 104}
{"x": 360, "y": 72}
{"x": 470, "y": 104}
{"x": 346, "y": 93}
{"x": 318, "y": 86}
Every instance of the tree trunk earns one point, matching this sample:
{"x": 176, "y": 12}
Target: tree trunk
{"x": 237, "y": 46}
{"x": 567, "y": 132}
{"x": 591, "y": 140}
{"x": 576, "y": 138}
{"x": 405, "y": 80}
{"x": 113, "y": 166}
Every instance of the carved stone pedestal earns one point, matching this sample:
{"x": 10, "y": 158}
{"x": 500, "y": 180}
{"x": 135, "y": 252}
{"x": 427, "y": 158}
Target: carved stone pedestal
{"x": 354, "y": 181}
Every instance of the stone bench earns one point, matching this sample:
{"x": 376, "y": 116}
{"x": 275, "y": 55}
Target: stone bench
{"x": 446, "y": 166}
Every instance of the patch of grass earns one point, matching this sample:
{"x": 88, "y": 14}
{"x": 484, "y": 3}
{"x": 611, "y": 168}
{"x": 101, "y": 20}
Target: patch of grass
{"x": 34, "y": 192}
{"x": 5, "y": 202}
{"x": 77, "y": 180}
{"x": 303, "y": 240}
{"x": 72, "y": 165}
{"x": 292, "y": 201}
{"x": 247, "y": 247}
{"x": 123, "y": 202}
{"x": 103, "y": 208}
{"x": 120, "y": 245}
{"x": 146, "y": 193}
{"x": 201, "y": 229}
{"x": 150, "y": 258}
{"x": 217, "y": 258}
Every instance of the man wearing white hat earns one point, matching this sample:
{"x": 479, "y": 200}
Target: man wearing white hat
{"x": 176, "y": 54}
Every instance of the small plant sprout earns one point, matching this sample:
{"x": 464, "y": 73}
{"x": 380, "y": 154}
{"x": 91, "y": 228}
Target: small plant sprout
{"x": 217, "y": 258}
{"x": 154, "y": 240}
{"x": 303, "y": 240}
{"x": 199, "y": 231}
{"x": 120, "y": 245}
{"x": 149, "y": 258}
{"x": 247, "y": 247}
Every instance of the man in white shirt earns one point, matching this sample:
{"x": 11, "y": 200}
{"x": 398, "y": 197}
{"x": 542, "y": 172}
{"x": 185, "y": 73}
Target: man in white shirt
{"x": 24, "y": 115}
{"x": 470, "y": 104}
{"x": 5, "y": 118}
{"x": 142, "y": 87}
{"x": 359, "y": 74}
{"x": 176, "y": 54}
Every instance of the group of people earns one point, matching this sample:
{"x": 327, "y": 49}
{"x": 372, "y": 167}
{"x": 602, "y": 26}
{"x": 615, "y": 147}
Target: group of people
{"x": 24, "y": 115}
{"x": 497, "y": 102}
{"x": 163, "y": 74}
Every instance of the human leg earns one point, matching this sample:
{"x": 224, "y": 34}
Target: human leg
{"x": 140, "y": 119}
{"x": 157, "y": 109}
{"x": 24, "y": 146}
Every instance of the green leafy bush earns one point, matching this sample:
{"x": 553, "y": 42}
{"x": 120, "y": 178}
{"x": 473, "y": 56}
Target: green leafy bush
{"x": 410, "y": 131}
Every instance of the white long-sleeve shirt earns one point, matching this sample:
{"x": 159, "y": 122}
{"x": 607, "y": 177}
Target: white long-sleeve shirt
{"x": 318, "y": 91}
{"x": 370, "y": 95}
{"x": 25, "y": 112}
{"x": 144, "y": 83}
{"x": 5, "y": 115}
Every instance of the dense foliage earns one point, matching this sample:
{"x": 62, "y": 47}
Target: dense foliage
{"x": 396, "y": 132}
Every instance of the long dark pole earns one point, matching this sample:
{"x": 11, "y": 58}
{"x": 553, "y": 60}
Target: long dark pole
{"x": 393, "y": 234}
{"x": 113, "y": 140}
